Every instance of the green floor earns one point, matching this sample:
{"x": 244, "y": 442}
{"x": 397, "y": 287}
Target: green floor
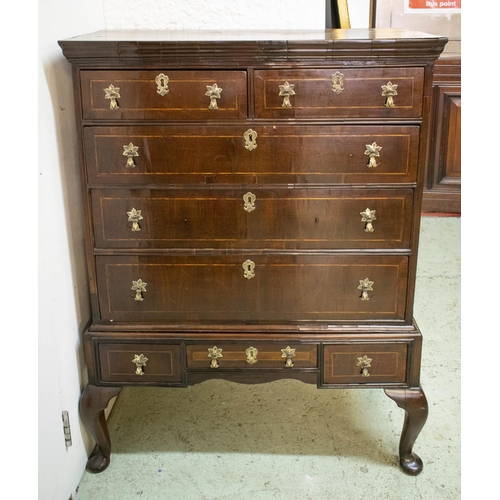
{"x": 288, "y": 440}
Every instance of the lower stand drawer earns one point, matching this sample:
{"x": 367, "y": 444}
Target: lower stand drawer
{"x": 139, "y": 362}
{"x": 364, "y": 363}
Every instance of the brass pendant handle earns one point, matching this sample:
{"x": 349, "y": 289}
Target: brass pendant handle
{"x": 249, "y": 202}
{"x": 389, "y": 91}
{"x": 139, "y": 287}
{"x": 288, "y": 353}
{"x": 112, "y": 93}
{"x": 286, "y": 90}
{"x": 162, "y": 84}
{"x": 250, "y": 137}
{"x": 364, "y": 363}
{"x": 373, "y": 151}
{"x": 135, "y": 216}
{"x": 130, "y": 151}
{"x": 365, "y": 286}
{"x": 337, "y": 82}
{"x": 251, "y": 353}
{"x": 368, "y": 216}
{"x": 140, "y": 362}
{"x": 214, "y": 353}
{"x": 213, "y": 91}
{"x": 248, "y": 269}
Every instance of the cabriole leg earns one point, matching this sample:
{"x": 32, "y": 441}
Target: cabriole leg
{"x": 414, "y": 402}
{"x": 93, "y": 402}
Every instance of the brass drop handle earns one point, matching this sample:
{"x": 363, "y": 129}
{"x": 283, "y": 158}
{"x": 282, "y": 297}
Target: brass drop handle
{"x": 248, "y": 269}
{"x": 162, "y": 84}
{"x": 365, "y": 286}
{"x": 135, "y": 216}
{"x": 372, "y": 151}
{"x": 112, "y": 93}
{"x": 288, "y": 353}
{"x": 364, "y": 363}
{"x": 368, "y": 216}
{"x": 140, "y": 362}
{"x": 389, "y": 91}
{"x": 213, "y": 91}
{"x": 249, "y": 202}
{"x": 214, "y": 353}
{"x": 139, "y": 287}
{"x": 337, "y": 82}
{"x": 130, "y": 151}
{"x": 286, "y": 90}
{"x": 250, "y": 137}
{"x": 251, "y": 353}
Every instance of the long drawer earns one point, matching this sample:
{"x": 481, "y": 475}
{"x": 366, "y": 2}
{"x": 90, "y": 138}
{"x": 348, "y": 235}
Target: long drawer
{"x": 163, "y": 95}
{"x": 344, "y": 93}
{"x": 260, "y": 218}
{"x": 251, "y": 154}
{"x": 252, "y": 287}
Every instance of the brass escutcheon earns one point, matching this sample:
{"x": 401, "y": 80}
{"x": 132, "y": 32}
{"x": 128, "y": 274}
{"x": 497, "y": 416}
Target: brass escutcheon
{"x": 214, "y": 353}
{"x": 250, "y": 137}
{"x": 251, "y": 353}
{"x": 389, "y": 91}
{"x": 112, "y": 93}
{"x": 365, "y": 286}
{"x": 213, "y": 91}
{"x": 373, "y": 151}
{"x": 129, "y": 150}
{"x": 286, "y": 90}
{"x": 288, "y": 353}
{"x": 140, "y": 362}
{"x": 248, "y": 269}
{"x": 337, "y": 82}
{"x": 139, "y": 287}
{"x": 162, "y": 84}
{"x": 364, "y": 363}
{"x": 135, "y": 216}
{"x": 249, "y": 199}
{"x": 368, "y": 216}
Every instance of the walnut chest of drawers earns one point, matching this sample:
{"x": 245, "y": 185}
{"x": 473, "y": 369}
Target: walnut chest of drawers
{"x": 252, "y": 206}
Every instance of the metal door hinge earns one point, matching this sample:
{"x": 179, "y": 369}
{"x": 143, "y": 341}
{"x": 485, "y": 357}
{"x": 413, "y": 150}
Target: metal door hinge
{"x": 67, "y": 429}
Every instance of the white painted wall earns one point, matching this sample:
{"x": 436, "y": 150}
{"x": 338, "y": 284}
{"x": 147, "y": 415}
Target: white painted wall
{"x": 64, "y": 306}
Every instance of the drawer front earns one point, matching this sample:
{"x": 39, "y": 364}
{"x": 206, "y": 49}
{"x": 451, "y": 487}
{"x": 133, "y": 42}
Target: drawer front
{"x": 252, "y": 287}
{"x": 267, "y": 154}
{"x": 362, "y": 363}
{"x": 252, "y": 355}
{"x": 184, "y": 96}
{"x": 260, "y": 218}
{"x": 339, "y": 93}
{"x": 139, "y": 362}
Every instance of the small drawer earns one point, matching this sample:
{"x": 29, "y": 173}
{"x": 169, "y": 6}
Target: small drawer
{"x": 286, "y": 355}
{"x": 339, "y": 93}
{"x": 365, "y": 363}
{"x": 139, "y": 362}
{"x": 163, "y": 95}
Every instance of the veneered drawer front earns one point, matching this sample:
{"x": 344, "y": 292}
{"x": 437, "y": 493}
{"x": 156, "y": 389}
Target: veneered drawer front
{"x": 252, "y": 355}
{"x": 361, "y": 97}
{"x": 139, "y": 362}
{"x": 384, "y": 363}
{"x": 260, "y": 218}
{"x": 251, "y": 287}
{"x": 213, "y": 154}
{"x": 186, "y": 98}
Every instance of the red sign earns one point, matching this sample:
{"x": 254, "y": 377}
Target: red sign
{"x": 435, "y": 4}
